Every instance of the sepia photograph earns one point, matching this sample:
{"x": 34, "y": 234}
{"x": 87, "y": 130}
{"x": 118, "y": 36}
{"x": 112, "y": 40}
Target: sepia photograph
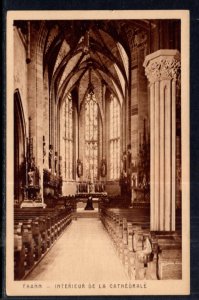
{"x": 97, "y": 153}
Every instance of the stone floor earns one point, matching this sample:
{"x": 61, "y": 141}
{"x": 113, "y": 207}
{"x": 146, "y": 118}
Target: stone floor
{"x": 83, "y": 253}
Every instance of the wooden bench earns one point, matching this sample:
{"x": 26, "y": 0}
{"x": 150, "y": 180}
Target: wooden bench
{"x": 145, "y": 254}
{"x": 41, "y": 226}
{"x": 19, "y": 252}
{"x": 128, "y": 228}
{"x": 169, "y": 255}
{"x": 35, "y": 231}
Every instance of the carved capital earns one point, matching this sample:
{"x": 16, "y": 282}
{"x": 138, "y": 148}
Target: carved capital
{"x": 162, "y": 65}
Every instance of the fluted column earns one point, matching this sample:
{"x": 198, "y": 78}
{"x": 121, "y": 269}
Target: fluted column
{"x": 162, "y": 69}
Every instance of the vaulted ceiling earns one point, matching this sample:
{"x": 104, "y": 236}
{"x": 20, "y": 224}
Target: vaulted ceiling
{"x": 77, "y": 51}
{"x": 103, "y": 47}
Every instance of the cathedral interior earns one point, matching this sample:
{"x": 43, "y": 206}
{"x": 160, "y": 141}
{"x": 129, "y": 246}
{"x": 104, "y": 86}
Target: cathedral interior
{"x": 97, "y": 138}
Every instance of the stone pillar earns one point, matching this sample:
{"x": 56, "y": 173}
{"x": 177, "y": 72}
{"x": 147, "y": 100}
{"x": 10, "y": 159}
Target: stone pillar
{"x": 35, "y": 100}
{"x": 39, "y": 118}
{"x": 162, "y": 69}
{"x": 134, "y": 120}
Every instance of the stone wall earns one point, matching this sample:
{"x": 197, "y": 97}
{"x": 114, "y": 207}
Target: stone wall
{"x": 20, "y": 72}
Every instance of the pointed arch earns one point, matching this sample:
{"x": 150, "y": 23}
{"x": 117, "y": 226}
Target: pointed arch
{"x": 19, "y": 148}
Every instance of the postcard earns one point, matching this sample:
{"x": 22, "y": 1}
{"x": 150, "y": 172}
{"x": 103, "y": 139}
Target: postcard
{"x": 97, "y": 163}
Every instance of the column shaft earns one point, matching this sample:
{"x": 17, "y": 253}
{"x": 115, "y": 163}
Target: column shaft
{"x": 168, "y": 160}
{"x": 152, "y": 153}
{"x": 162, "y": 156}
{"x": 157, "y": 155}
{"x": 162, "y": 69}
{"x": 173, "y": 200}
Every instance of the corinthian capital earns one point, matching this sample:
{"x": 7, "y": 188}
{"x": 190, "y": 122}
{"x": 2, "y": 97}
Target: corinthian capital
{"x": 162, "y": 65}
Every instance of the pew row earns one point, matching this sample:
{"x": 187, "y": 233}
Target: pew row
{"x": 144, "y": 254}
{"x": 35, "y": 231}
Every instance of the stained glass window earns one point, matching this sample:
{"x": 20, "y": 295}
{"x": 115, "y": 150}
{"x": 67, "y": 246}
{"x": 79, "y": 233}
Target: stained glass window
{"x": 91, "y": 137}
{"x": 67, "y": 131}
{"x": 114, "y": 138}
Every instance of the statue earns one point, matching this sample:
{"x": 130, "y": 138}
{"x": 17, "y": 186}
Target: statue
{"x": 124, "y": 161}
{"x": 31, "y": 178}
{"x": 60, "y": 165}
{"x": 134, "y": 181}
{"x": 50, "y": 156}
{"x": 129, "y": 156}
{"x": 31, "y": 172}
{"x": 55, "y": 159}
{"x": 79, "y": 168}
{"x": 103, "y": 167}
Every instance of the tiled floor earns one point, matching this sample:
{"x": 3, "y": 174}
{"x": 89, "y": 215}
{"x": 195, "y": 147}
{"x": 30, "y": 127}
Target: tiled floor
{"x": 83, "y": 253}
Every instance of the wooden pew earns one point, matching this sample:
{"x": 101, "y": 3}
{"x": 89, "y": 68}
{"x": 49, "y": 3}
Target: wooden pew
{"x": 130, "y": 231}
{"x": 36, "y": 229}
{"x": 169, "y": 255}
{"x": 28, "y": 242}
{"x": 51, "y": 221}
{"x": 19, "y": 252}
{"x": 134, "y": 264}
{"x": 116, "y": 221}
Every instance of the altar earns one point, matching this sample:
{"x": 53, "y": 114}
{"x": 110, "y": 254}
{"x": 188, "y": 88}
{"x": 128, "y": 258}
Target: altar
{"x": 86, "y": 189}
{"x": 91, "y": 188}
{"x": 81, "y": 199}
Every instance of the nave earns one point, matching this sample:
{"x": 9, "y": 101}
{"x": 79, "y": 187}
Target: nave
{"x": 106, "y": 243}
{"x": 97, "y": 115}
{"x": 84, "y": 253}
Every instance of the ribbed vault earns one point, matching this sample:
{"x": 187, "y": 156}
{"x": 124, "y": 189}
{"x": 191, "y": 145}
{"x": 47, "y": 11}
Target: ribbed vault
{"x": 74, "y": 47}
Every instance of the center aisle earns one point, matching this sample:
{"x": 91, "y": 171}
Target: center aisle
{"x": 83, "y": 253}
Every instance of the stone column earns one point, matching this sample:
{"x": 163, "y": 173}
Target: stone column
{"x": 35, "y": 101}
{"x": 162, "y": 69}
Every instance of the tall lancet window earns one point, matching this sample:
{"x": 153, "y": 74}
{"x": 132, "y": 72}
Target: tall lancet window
{"x": 114, "y": 138}
{"x": 91, "y": 137}
{"x": 67, "y": 145}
